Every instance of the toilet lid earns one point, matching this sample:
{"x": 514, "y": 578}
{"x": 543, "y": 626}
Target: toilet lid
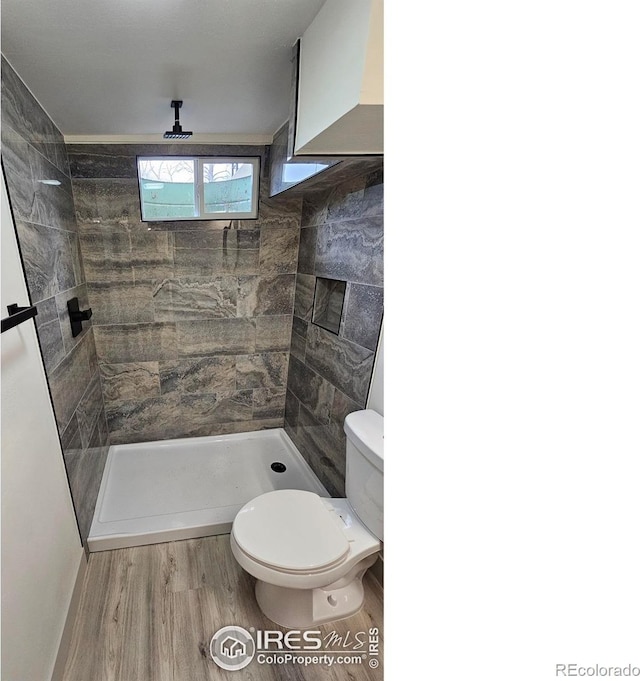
{"x": 290, "y": 530}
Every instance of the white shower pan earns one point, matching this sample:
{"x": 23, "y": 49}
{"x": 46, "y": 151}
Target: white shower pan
{"x": 154, "y": 492}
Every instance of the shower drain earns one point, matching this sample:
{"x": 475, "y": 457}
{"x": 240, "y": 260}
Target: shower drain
{"x": 278, "y": 467}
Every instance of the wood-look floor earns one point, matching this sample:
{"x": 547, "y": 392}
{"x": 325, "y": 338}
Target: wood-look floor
{"x": 148, "y": 614}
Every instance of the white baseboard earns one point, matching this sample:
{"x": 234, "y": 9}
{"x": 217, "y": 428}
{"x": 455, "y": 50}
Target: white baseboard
{"x": 65, "y": 639}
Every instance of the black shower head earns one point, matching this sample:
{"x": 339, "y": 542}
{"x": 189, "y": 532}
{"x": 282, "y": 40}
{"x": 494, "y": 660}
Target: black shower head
{"x": 177, "y": 133}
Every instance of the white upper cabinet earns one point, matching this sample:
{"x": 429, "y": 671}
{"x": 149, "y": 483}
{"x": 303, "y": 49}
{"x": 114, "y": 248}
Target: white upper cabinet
{"x": 340, "y": 89}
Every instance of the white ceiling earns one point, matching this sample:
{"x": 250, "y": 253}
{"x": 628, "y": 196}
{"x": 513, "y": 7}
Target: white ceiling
{"x": 112, "y": 67}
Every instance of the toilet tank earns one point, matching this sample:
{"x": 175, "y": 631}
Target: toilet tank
{"x": 364, "y": 476}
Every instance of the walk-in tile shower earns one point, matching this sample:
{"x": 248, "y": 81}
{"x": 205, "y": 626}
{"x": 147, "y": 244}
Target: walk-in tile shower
{"x": 199, "y": 330}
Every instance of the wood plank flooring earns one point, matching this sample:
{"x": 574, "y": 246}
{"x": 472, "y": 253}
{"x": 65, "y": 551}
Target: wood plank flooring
{"x": 148, "y": 614}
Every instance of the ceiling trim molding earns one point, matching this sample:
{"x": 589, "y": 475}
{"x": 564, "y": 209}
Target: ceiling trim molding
{"x": 201, "y": 138}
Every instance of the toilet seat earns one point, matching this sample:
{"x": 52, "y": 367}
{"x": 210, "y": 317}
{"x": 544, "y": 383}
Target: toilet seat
{"x": 291, "y": 531}
{"x": 309, "y": 553}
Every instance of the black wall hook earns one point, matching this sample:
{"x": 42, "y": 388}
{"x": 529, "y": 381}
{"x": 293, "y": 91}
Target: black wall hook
{"x": 77, "y": 316}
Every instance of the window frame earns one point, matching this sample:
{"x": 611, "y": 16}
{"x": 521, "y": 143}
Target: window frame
{"x": 198, "y": 185}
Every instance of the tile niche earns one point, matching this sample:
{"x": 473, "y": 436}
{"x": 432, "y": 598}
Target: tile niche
{"x": 328, "y": 302}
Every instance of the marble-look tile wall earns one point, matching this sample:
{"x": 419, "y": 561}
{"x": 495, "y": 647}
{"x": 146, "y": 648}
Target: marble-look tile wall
{"x": 329, "y": 374}
{"x": 192, "y": 319}
{"x": 36, "y": 167}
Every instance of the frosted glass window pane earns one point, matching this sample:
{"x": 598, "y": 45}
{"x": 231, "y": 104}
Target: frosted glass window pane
{"x": 228, "y": 187}
{"x": 167, "y": 188}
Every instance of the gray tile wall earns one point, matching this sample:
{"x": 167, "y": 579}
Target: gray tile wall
{"x": 329, "y": 374}
{"x": 198, "y": 328}
{"x": 192, "y": 319}
{"x": 33, "y": 150}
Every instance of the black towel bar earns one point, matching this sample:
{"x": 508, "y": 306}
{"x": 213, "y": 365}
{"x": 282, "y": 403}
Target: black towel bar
{"x": 17, "y": 315}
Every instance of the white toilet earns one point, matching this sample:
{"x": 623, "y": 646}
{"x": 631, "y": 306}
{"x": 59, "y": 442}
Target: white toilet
{"x": 309, "y": 553}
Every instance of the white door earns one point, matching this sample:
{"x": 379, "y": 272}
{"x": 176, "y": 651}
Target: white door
{"x": 41, "y": 549}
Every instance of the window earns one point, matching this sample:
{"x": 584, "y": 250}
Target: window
{"x": 198, "y": 188}
{"x": 292, "y": 173}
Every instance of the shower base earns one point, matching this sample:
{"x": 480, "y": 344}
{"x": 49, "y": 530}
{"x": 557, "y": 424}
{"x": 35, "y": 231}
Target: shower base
{"x": 153, "y": 492}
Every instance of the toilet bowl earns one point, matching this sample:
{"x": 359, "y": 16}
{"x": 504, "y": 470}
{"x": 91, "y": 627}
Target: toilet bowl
{"x": 309, "y": 553}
